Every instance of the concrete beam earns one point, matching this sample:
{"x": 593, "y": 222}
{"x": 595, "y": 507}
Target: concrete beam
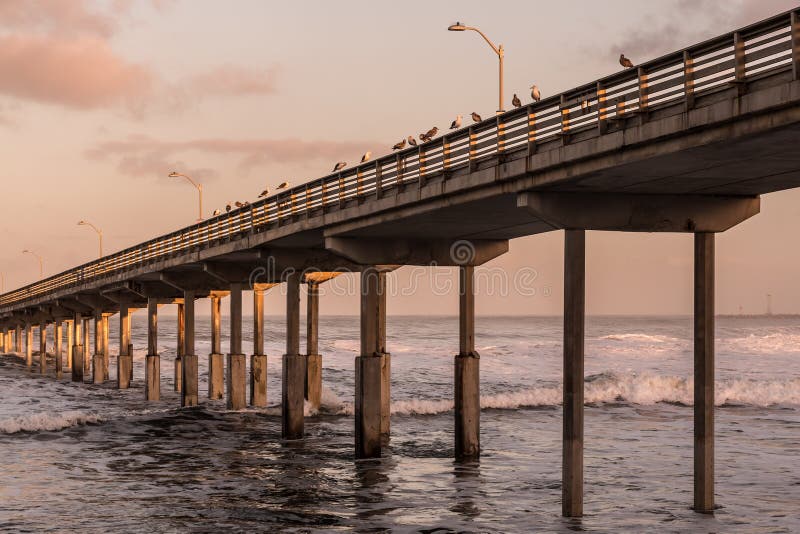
{"x": 198, "y": 282}
{"x": 637, "y": 212}
{"x": 376, "y": 251}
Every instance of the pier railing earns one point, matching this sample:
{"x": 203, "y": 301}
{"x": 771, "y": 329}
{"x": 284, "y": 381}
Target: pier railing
{"x": 762, "y": 49}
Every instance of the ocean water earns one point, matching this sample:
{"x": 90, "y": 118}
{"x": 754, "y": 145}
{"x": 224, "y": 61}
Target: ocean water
{"x": 97, "y": 459}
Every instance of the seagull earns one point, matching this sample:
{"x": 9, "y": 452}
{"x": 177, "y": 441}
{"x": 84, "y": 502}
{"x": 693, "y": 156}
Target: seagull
{"x": 535, "y": 94}
{"x": 264, "y": 193}
{"x": 516, "y": 101}
{"x": 366, "y": 156}
{"x": 228, "y": 206}
{"x": 400, "y": 145}
{"x": 283, "y": 185}
{"x": 456, "y": 123}
{"x": 239, "y": 204}
{"x": 476, "y": 117}
{"x": 339, "y": 166}
{"x": 216, "y": 212}
{"x": 625, "y": 62}
{"x": 412, "y": 141}
{"x": 427, "y": 136}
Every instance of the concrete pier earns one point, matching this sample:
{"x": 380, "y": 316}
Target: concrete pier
{"x": 69, "y": 344}
{"x": 18, "y": 339}
{"x": 313, "y": 383}
{"x": 467, "y": 372}
{"x": 178, "y": 366}
{"x": 190, "y": 384}
{"x": 236, "y": 372}
{"x": 216, "y": 360}
{"x": 87, "y": 353}
{"x": 370, "y": 405}
{"x": 258, "y": 360}
{"x": 152, "y": 365}
{"x": 43, "y": 347}
{"x": 124, "y": 360}
{"x": 98, "y": 361}
{"x": 58, "y": 340}
{"x": 106, "y": 354}
{"x": 704, "y": 372}
{"x": 29, "y": 345}
{"x": 293, "y": 366}
{"x": 574, "y": 316}
{"x": 77, "y": 350}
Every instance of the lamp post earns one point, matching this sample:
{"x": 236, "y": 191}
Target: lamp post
{"x": 41, "y": 268}
{"x": 97, "y": 230}
{"x": 199, "y": 187}
{"x": 458, "y": 27}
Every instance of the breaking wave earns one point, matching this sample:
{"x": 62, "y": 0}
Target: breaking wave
{"x": 45, "y": 421}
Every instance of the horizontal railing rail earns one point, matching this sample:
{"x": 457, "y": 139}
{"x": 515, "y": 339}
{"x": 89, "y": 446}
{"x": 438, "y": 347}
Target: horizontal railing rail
{"x": 767, "y": 47}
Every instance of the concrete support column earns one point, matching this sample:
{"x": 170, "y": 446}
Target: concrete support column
{"x": 372, "y": 367}
{"x": 574, "y": 315}
{"x": 124, "y": 360}
{"x": 106, "y": 353}
{"x": 293, "y": 365}
{"x": 189, "y": 391}
{"x": 216, "y": 367}
{"x": 236, "y": 361}
{"x": 180, "y": 348}
{"x": 77, "y": 350}
{"x": 69, "y": 345}
{"x": 29, "y": 345}
{"x": 258, "y": 361}
{"x": 704, "y": 372}
{"x": 313, "y": 384}
{"x": 467, "y": 372}
{"x": 87, "y": 348}
{"x": 152, "y": 365}
{"x": 98, "y": 362}
{"x": 18, "y": 339}
{"x": 43, "y": 347}
{"x": 57, "y": 346}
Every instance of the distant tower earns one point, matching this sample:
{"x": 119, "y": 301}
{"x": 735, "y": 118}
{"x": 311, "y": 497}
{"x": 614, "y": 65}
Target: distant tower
{"x": 740, "y": 309}
{"x": 769, "y": 304}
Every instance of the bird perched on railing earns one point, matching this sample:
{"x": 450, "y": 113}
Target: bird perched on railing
{"x": 284, "y": 185}
{"x": 239, "y": 204}
{"x": 264, "y": 193}
{"x": 366, "y": 156}
{"x": 216, "y": 212}
{"x": 427, "y": 136}
{"x": 516, "y": 102}
{"x": 399, "y": 146}
{"x": 476, "y": 117}
{"x": 339, "y": 166}
{"x": 535, "y": 94}
{"x": 456, "y": 123}
{"x": 412, "y": 141}
{"x": 625, "y": 62}
{"x": 228, "y": 206}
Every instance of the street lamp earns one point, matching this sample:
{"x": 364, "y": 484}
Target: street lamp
{"x": 458, "y": 27}
{"x": 199, "y": 187}
{"x": 41, "y": 268}
{"x": 96, "y": 229}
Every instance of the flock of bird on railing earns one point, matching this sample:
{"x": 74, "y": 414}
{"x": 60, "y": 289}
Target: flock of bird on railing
{"x": 536, "y": 96}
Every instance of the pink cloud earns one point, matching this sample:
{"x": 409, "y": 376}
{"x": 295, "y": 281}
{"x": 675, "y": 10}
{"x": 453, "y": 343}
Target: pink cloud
{"x": 234, "y": 80}
{"x": 55, "y": 16}
{"x": 82, "y": 72}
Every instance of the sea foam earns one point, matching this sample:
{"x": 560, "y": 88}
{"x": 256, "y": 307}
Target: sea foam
{"x": 46, "y": 421}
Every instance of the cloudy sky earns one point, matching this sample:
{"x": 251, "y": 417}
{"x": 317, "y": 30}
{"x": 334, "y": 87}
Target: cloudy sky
{"x": 100, "y": 100}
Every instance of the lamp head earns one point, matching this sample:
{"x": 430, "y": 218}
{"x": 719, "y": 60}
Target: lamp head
{"x": 457, "y": 27}
{"x": 81, "y": 222}
{"x": 173, "y": 174}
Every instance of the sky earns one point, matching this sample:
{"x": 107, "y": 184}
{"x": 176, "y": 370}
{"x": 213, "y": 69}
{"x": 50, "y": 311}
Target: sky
{"x": 100, "y": 100}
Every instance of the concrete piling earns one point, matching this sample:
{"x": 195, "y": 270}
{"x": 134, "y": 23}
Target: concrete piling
{"x": 216, "y": 360}
{"x": 43, "y": 347}
{"x": 258, "y": 360}
{"x": 152, "y": 364}
{"x": 313, "y": 383}
{"x": 293, "y": 366}
{"x": 106, "y": 354}
{"x": 574, "y": 316}
{"x": 124, "y": 360}
{"x": 98, "y": 362}
{"x": 236, "y": 372}
{"x": 70, "y": 342}
{"x": 29, "y": 346}
{"x": 18, "y": 339}
{"x": 190, "y": 385}
{"x": 178, "y": 367}
{"x": 57, "y": 345}
{"x": 87, "y": 353}
{"x": 372, "y": 372}
{"x": 467, "y": 372}
{"x": 704, "y": 372}
{"x": 77, "y": 350}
